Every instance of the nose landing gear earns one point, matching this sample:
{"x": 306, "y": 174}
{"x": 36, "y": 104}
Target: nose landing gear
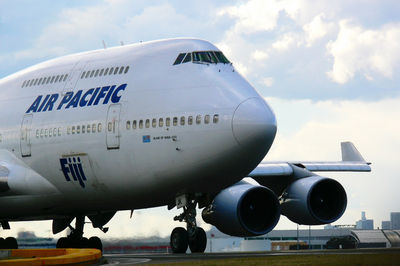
{"x": 193, "y": 236}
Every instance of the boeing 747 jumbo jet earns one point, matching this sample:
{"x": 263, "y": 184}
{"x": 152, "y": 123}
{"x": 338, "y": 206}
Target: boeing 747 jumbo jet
{"x": 161, "y": 123}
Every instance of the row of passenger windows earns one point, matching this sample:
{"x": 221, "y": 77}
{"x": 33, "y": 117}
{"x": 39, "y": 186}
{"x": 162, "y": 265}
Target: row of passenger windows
{"x": 45, "y": 80}
{"x": 214, "y": 57}
{"x": 190, "y": 120}
{"x": 104, "y": 72}
{"x": 54, "y": 132}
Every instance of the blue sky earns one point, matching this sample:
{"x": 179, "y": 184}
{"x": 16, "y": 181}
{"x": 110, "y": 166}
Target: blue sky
{"x": 329, "y": 69}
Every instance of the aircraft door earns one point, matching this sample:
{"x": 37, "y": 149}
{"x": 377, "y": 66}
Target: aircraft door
{"x": 112, "y": 126}
{"x": 26, "y": 136}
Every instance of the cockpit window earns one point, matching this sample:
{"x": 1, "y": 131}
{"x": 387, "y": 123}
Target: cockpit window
{"x": 206, "y": 57}
{"x": 179, "y": 58}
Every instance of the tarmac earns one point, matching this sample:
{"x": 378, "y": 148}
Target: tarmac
{"x": 388, "y": 256}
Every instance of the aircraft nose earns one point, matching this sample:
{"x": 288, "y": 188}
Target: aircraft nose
{"x": 254, "y": 124}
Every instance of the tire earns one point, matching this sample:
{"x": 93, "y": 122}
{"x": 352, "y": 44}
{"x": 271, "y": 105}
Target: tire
{"x": 198, "y": 242}
{"x": 179, "y": 240}
{"x": 95, "y": 242}
{"x": 11, "y": 243}
{"x": 2, "y": 243}
{"x": 84, "y": 243}
{"x": 62, "y": 242}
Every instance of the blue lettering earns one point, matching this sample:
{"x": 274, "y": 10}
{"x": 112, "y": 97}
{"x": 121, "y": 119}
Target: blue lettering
{"x": 50, "y": 103}
{"x": 67, "y": 97}
{"x": 34, "y": 105}
{"x": 83, "y": 101}
{"x": 65, "y": 169}
{"x": 115, "y": 98}
{"x": 75, "y": 100}
{"x": 101, "y": 94}
{"x": 43, "y": 103}
{"x": 93, "y": 96}
{"x": 109, "y": 94}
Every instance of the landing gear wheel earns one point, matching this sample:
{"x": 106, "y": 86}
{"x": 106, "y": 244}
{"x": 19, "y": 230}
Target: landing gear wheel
{"x": 95, "y": 242}
{"x": 84, "y": 243}
{"x": 179, "y": 240}
{"x": 11, "y": 243}
{"x": 198, "y": 242}
{"x": 62, "y": 242}
{"x": 2, "y": 243}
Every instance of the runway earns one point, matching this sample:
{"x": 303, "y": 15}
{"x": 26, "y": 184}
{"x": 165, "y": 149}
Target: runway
{"x": 308, "y": 257}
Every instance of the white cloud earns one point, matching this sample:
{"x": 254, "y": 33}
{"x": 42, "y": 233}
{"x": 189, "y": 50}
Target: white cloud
{"x": 316, "y": 29}
{"x": 370, "y": 52}
{"x": 285, "y": 42}
{"x": 268, "y": 81}
{"x": 259, "y": 55}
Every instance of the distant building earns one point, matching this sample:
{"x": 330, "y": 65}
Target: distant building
{"x": 395, "y": 220}
{"x": 364, "y": 223}
{"x": 386, "y": 225}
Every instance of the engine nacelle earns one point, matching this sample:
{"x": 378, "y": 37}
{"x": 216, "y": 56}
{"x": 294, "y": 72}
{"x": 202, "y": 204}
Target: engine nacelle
{"x": 314, "y": 200}
{"x": 243, "y": 210}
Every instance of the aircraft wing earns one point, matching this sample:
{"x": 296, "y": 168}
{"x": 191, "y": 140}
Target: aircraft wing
{"x": 17, "y": 178}
{"x": 352, "y": 161}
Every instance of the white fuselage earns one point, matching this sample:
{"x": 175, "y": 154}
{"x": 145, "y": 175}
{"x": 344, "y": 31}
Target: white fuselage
{"x": 117, "y": 166}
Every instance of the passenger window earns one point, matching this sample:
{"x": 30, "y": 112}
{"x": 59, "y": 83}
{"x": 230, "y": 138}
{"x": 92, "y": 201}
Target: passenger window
{"x": 99, "y": 127}
{"x": 134, "y": 124}
{"x": 198, "y": 119}
{"x": 175, "y": 121}
{"x": 30, "y": 83}
{"x": 105, "y": 72}
{"x": 141, "y": 124}
{"x": 78, "y": 129}
{"x": 59, "y": 131}
{"x": 92, "y": 73}
{"x": 36, "y": 80}
{"x": 48, "y": 80}
{"x": 73, "y": 130}
{"x": 160, "y": 122}
{"x": 87, "y": 74}
{"x": 179, "y": 59}
{"x": 93, "y": 128}
{"x": 23, "y": 84}
{"x": 116, "y": 71}
{"x": 109, "y": 126}
{"x": 101, "y": 72}
{"x": 154, "y": 122}
{"x": 188, "y": 58}
{"x": 68, "y": 130}
{"x": 190, "y": 120}
{"x": 147, "y": 123}
{"x": 128, "y": 124}
{"x": 121, "y": 70}
{"x": 41, "y": 133}
{"x": 88, "y": 128}
{"x": 111, "y": 71}
{"x": 83, "y": 129}
{"x": 182, "y": 120}
{"x": 40, "y": 81}
{"x": 126, "y": 70}
{"x": 215, "y": 119}
{"x": 52, "y": 79}
{"x": 65, "y": 77}
{"x": 50, "y": 132}
{"x": 168, "y": 122}
{"x": 207, "y": 119}
{"x": 58, "y": 76}
{"x": 97, "y": 73}
{"x": 37, "y": 133}
{"x": 44, "y": 81}
{"x": 61, "y": 78}
{"x": 46, "y": 132}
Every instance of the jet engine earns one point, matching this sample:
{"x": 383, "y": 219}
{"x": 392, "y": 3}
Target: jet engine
{"x": 243, "y": 210}
{"x": 314, "y": 200}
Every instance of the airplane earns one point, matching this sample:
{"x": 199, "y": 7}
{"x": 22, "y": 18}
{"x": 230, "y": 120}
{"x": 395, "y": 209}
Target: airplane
{"x": 161, "y": 123}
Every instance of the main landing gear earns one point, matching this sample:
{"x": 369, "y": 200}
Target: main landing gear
{"x": 76, "y": 239}
{"x": 8, "y": 243}
{"x": 192, "y": 236}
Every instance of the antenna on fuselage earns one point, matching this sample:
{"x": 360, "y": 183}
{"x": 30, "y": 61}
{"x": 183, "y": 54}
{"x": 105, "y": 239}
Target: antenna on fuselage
{"x": 104, "y": 44}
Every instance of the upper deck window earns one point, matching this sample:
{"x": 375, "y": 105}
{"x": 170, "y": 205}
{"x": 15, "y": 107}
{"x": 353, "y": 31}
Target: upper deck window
{"x": 206, "y": 57}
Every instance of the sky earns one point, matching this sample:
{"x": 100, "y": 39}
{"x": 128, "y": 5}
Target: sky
{"x": 329, "y": 69}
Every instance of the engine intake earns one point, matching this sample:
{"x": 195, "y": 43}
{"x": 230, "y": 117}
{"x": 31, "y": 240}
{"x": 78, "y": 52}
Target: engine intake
{"x": 314, "y": 200}
{"x": 243, "y": 210}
